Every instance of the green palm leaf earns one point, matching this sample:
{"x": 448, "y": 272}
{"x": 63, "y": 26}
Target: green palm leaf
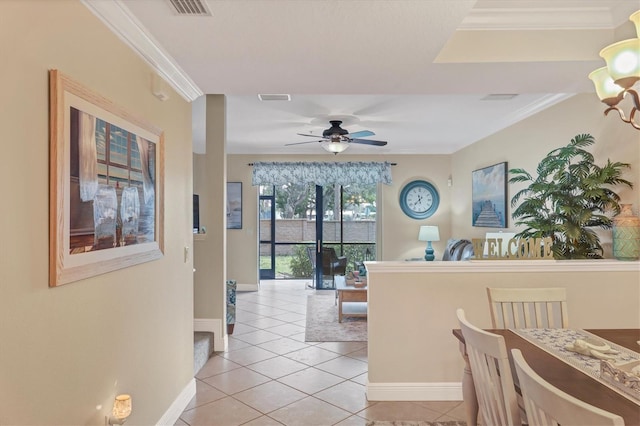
{"x": 569, "y": 198}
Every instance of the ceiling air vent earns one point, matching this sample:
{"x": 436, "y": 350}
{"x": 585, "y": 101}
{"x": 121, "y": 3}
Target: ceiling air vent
{"x": 190, "y": 7}
{"x": 274, "y": 97}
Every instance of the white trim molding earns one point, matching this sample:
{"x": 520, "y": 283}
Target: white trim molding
{"x": 247, "y": 287}
{"x": 540, "y": 15}
{"x": 171, "y": 416}
{"x": 492, "y": 266}
{"x": 414, "y": 391}
{"x": 119, "y": 19}
{"x": 215, "y": 326}
{"x": 540, "y": 104}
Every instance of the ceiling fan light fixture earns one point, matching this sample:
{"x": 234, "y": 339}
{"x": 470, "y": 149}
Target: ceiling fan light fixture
{"x": 335, "y": 147}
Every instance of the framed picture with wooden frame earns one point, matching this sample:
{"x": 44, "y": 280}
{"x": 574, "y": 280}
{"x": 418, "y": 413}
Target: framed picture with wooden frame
{"x": 489, "y": 196}
{"x": 106, "y": 204}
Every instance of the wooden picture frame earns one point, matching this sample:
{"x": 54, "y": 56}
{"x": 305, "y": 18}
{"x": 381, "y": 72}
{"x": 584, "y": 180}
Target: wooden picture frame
{"x": 106, "y": 204}
{"x": 489, "y": 196}
{"x": 234, "y": 205}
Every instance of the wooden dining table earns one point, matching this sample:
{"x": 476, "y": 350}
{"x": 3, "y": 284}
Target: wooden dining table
{"x": 560, "y": 374}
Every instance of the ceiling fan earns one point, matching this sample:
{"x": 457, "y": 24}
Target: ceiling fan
{"x": 336, "y": 139}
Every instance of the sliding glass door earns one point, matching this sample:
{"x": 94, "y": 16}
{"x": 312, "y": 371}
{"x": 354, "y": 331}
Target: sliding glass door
{"x": 306, "y": 218}
{"x": 267, "y": 214}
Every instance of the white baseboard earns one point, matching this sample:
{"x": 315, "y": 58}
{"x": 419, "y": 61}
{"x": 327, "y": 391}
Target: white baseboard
{"x": 225, "y": 344}
{"x": 414, "y": 391}
{"x": 247, "y": 287}
{"x": 171, "y": 416}
{"x": 215, "y": 326}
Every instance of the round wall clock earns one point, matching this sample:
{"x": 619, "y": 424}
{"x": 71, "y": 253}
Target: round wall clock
{"x": 419, "y": 199}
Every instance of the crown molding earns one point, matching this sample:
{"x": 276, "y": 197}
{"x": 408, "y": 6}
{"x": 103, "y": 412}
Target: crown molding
{"x": 539, "y": 18}
{"x": 506, "y": 266}
{"x": 119, "y": 19}
{"x": 540, "y": 105}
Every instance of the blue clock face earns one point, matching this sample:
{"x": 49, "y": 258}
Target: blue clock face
{"x": 419, "y": 199}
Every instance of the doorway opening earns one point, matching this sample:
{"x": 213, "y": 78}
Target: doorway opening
{"x": 298, "y": 220}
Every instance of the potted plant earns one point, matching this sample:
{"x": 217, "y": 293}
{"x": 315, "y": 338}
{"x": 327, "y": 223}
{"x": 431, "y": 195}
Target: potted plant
{"x": 568, "y": 199}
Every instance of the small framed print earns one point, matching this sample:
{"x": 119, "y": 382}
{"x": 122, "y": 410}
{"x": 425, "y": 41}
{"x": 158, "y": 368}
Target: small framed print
{"x": 234, "y": 205}
{"x": 489, "y": 196}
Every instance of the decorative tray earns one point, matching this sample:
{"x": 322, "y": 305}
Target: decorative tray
{"x": 625, "y": 377}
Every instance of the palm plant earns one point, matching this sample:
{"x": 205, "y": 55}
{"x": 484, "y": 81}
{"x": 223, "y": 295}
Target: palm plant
{"x": 569, "y": 199}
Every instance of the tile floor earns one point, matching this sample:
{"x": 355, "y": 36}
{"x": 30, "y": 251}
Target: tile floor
{"x": 270, "y": 376}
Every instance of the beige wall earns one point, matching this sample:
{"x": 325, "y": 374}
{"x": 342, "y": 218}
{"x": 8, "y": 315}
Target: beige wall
{"x": 66, "y": 350}
{"x": 242, "y": 244}
{"x": 524, "y": 144}
{"x": 412, "y": 309}
{"x": 209, "y": 249}
{"x": 399, "y": 233}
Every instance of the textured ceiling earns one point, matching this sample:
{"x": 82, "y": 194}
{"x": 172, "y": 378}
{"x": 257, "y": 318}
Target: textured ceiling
{"x": 415, "y": 72}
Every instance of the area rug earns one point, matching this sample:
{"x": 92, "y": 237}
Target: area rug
{"x": 322, "y": 321}
{"x": 414, "y": 423}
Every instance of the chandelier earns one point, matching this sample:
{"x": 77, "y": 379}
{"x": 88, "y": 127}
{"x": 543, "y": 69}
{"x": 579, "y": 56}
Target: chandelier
{"x": 617, "y": 79}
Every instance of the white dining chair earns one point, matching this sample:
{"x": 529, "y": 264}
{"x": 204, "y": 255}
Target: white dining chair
{"x": 491, "y": 372}
{"x": 528, "y": 307}
{"x": 547, "y": 405}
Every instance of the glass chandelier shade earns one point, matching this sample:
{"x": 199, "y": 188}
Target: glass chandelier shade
{"x": 335, "y": 147}
{"x": 606, "y": 89}
{"x": 617, "y": 79}
{"x": 635, "y": 18}
{"x": 623, "y": 62}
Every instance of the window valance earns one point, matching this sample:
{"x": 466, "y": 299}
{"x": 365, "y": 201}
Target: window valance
{"x": 321, "y": 173}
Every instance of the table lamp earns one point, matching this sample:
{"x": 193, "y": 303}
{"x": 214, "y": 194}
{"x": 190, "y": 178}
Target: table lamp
{"x": 429, "y": 233}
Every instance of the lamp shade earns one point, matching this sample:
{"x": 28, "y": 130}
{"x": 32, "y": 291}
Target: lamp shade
{"x": 429, "y": 233}
{"x": 122, "y": 407}
{"x": 335, "y": 147}
{"x": 623, "y": 61}
{"x": 607, "y": 90}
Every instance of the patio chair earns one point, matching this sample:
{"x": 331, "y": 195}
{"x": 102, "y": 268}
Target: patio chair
{"x": 332, "y": 264}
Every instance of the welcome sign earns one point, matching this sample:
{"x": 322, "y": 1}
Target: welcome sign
{"x": 513, "y": 249}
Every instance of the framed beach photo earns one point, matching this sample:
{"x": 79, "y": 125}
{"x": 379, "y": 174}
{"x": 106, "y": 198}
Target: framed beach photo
{"x": 489, "y": 196}
{"x": 106, "y": 185}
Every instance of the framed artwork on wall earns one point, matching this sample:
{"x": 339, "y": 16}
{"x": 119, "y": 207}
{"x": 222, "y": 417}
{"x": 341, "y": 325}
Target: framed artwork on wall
{"x": 234, "y": 205}
{"x": 489, "y": 196}
{"x": 106, "y": 207}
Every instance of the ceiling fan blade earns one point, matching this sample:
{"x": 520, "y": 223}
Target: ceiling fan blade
{"x": 361, "y": 134}
{"x": 368, "y": 142}
{"x": 300, "y": 143}
{"x": 312, "y": 136}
